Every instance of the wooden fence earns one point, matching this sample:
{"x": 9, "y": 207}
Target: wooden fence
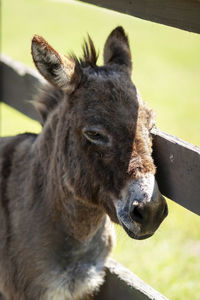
{"x": 178, "y": 162}
{"x": 184, "y": 14}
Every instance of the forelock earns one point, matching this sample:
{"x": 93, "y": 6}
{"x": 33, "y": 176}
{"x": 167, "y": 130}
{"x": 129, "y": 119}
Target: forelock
{"x": 89, "y": 57}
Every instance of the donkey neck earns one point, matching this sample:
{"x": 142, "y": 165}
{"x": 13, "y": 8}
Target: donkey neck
{"x": 80, "y": 218}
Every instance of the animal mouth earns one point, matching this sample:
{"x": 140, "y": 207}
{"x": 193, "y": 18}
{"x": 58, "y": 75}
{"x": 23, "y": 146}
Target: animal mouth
{"x": 134, "y": 236}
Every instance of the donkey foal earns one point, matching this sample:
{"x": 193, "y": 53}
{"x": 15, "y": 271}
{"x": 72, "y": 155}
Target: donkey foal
{"x": 91, "y": 163}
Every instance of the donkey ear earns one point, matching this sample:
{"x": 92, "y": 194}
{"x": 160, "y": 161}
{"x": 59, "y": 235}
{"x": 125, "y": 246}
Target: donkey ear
{"x": 117, "y": 50}
{"x": 56, "y": 68}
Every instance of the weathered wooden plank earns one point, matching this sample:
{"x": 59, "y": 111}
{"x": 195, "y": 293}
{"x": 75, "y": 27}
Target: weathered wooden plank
{"x": 184, "y": 14}
{"x": 120, "y": 284}
{"x": 178, "y": 162}
{"x": 18, "y": 86}
{"x": 178, "y": 169}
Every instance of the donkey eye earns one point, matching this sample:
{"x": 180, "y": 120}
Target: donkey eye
{"x": 96, "y": 136}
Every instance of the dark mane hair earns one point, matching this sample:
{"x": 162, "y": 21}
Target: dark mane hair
{"x": 89, "y": 57}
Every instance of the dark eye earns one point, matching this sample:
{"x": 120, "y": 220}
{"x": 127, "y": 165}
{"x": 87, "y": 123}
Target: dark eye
{"x": 96, "y": 136}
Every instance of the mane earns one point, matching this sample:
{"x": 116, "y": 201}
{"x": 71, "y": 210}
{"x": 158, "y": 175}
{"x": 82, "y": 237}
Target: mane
{"x": 89, "y": 57}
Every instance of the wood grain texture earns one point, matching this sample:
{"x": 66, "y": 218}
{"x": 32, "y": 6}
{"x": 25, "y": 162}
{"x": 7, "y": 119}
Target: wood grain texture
{"x": 183, "y": 14}
{"x": 178, "y": 170}
{"x": 121, "y": 284}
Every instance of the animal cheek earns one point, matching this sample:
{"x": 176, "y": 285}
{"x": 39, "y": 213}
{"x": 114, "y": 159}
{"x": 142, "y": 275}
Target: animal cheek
{"x": 110, "y": 210}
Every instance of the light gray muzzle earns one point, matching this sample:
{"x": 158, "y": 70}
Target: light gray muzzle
{"x": 141, "y": 208}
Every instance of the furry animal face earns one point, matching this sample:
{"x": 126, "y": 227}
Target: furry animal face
{"x": 102, "y": 133}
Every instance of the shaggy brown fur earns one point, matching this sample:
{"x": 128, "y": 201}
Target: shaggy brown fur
{"x": 141, "y": 162}
{"x": 90, "y": 163}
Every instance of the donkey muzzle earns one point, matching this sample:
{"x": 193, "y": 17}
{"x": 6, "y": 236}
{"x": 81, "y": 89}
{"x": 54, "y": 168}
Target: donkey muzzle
{"x": 141, "y": 208}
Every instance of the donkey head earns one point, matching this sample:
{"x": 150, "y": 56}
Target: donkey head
{"x": 102, "y": 135}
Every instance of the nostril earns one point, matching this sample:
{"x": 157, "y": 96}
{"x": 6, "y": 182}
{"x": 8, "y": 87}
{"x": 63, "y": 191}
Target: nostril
{"x": 137, "y": 214}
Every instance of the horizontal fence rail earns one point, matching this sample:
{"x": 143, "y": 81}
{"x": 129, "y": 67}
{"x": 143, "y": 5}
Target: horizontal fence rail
{"x": 120, "y": 284}
{"x": 183, "y": 14}
{"x": 178, "y": 169}
{"x": 178, "y": 162}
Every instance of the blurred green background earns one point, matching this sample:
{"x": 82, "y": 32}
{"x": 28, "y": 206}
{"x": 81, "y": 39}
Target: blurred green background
{"x": 166, "y": 69}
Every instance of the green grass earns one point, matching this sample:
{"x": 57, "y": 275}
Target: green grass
{"x": 166, "y": 70}
{"x": 13, "y": 122}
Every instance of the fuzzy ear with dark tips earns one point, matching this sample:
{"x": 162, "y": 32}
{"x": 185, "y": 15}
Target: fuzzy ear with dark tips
{"x": 117, "y": 49}
{"x": 56, "y": 68}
